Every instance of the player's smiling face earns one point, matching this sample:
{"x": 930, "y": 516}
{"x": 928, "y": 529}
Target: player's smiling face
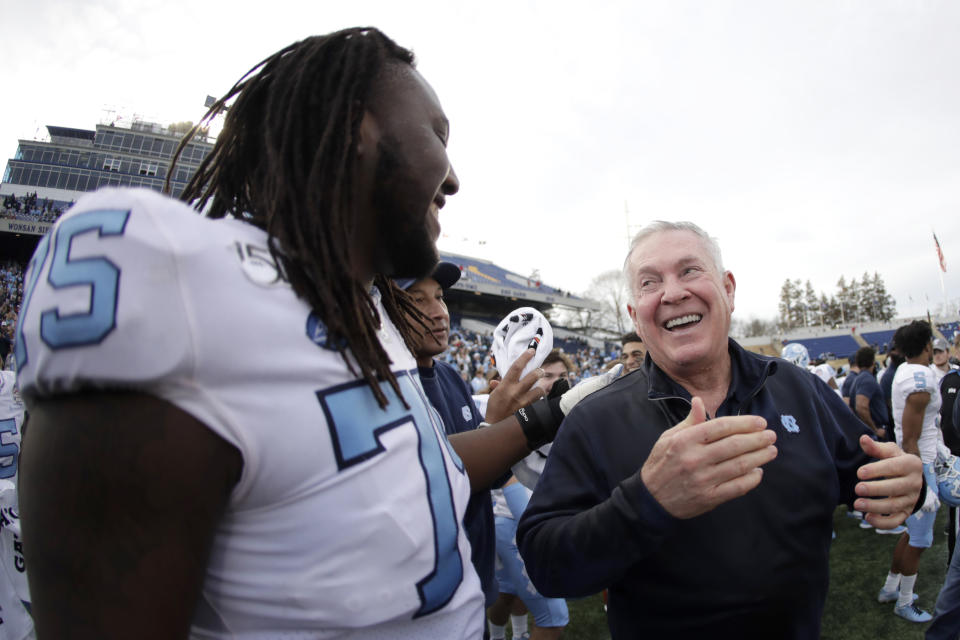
{"x": 681, "y": 304}
{"x": 406, "y": 175}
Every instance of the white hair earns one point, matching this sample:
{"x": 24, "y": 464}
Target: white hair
{"x": 661, "y": 226}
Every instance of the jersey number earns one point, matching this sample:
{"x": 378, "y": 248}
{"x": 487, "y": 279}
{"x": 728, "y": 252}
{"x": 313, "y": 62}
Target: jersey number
{"x": 98, "y": 273}
{"x": 9, "y": 450}
{"x": 356, "y": 424}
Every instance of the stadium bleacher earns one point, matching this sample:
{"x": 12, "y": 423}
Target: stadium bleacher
{"x": 841, "y": 346}
{"x": 882, "y": 339}
{"x": 949, "y": 329}
{"x": 483, "y": 276}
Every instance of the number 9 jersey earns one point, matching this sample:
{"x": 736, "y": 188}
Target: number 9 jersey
{"x": 346, "y": 520}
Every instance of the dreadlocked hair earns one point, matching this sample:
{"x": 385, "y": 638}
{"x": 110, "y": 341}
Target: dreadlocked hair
{"x": 285, "y": 161}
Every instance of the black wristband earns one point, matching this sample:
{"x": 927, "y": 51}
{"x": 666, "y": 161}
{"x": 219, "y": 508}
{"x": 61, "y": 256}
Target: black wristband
{"x": 540, "y": 421}
{"x": 923, "y": 494}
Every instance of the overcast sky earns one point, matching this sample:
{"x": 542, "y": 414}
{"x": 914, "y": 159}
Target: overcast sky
{"x": 814, "y": 139}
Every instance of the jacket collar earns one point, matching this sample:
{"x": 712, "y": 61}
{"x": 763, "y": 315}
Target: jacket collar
{"x": 748, "y": 374}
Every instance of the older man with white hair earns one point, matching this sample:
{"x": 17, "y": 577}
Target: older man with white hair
{"x": 667, "y": 487}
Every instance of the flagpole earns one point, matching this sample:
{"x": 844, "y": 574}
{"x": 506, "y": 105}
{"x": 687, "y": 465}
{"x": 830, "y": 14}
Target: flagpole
{"x": 942, "y": 264}
{"x": 943, "y": 290}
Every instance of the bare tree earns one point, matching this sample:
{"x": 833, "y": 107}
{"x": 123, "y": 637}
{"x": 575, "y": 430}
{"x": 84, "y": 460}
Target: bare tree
{"x": 752, "y": 327}
{"x": 610, "y": 290}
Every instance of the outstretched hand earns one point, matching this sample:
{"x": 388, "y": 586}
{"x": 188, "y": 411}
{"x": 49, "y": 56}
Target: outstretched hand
{"x": 891, "y": 485}
{"x": 514, "y": 392}
{"x": 700, "y": 464}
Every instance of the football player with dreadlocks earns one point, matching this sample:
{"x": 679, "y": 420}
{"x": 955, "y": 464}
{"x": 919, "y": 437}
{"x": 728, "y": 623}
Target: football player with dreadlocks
{"x": 228, "y": 437}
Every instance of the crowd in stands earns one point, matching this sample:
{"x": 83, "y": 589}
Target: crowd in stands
{"x": 469, "y": 352}
{"x": 11, "y": 294}
{"x": 30, "y": 208}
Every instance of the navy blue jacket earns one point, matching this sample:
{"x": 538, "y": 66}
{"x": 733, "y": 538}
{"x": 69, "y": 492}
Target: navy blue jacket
{"x": 453, "y": 400}
{"x": 754, "y": 567}
{"x": 949, "y": 407}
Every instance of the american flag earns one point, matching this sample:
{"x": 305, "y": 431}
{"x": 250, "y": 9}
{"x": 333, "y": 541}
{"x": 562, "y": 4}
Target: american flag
{"x": 943, "y": 263}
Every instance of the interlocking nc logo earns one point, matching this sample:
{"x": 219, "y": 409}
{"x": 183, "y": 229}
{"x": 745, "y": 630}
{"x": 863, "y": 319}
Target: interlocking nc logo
{"x": 790, "y": 424}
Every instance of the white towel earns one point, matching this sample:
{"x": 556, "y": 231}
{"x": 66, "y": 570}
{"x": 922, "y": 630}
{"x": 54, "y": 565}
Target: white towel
{"x": 521, "y": 329}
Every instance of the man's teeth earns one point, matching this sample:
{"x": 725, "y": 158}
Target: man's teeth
{"x": 676, "y": 322}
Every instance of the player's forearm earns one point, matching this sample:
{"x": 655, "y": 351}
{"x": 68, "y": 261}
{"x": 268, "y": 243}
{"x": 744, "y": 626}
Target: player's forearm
{"x": 489, "y": 452}
{"x": 912, "y": 426}
{"x": 911, "y": 444}
{"x": 867, "y": 419}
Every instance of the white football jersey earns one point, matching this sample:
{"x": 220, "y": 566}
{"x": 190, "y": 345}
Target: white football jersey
{"x": 15, "y": 621}
{"x": 916, "y": 378}
{"x": 824, "y": 371}
{"x": 346, "y": 520}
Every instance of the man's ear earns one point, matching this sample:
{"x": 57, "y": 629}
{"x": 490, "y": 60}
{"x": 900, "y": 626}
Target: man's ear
{"x": 633, "y": 318}
{"x": 729, "y": 288}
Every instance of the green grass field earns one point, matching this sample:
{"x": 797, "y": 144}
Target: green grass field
{"x": 859, "y": 561}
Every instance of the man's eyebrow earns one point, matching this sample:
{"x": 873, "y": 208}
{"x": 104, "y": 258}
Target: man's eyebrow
{"x": 680, "y": 262}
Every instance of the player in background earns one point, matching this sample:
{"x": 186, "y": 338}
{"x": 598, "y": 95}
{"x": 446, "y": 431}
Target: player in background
{"x": 949, "y": 429}
{"x": 946, "y": 617}
{"x": 852, "y": 374}
{"x": 866, "y": 396}
{"x": 916, "y": 404}
{"x": 823, "y": 370}
{"x": 796, "y": 353}
{"x": 941, "y": 365}
{"x": 518, "y": 596}
{"x": 15, "y": 620}
{"x": 894, "y": 360}
{"x": 280, "y": 492}
{"x": 632, "y": 351}
{"x": 450, "y": 396}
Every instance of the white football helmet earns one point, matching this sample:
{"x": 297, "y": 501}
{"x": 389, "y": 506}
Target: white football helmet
{"x": 797, "y": 354}
{"x": 947, "y": 468}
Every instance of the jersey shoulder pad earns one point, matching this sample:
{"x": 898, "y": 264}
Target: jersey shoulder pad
{"x": 102, "y": 298}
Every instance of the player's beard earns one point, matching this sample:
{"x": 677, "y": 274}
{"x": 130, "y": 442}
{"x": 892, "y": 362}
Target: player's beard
{"x": 407, "y": 246}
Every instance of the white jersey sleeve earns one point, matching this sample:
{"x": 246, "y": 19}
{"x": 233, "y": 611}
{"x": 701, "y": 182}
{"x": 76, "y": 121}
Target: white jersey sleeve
{"x": 346, "y": 521}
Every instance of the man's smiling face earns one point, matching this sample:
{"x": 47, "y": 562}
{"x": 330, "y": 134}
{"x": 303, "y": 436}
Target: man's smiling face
{"x": 681, "y": 302}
